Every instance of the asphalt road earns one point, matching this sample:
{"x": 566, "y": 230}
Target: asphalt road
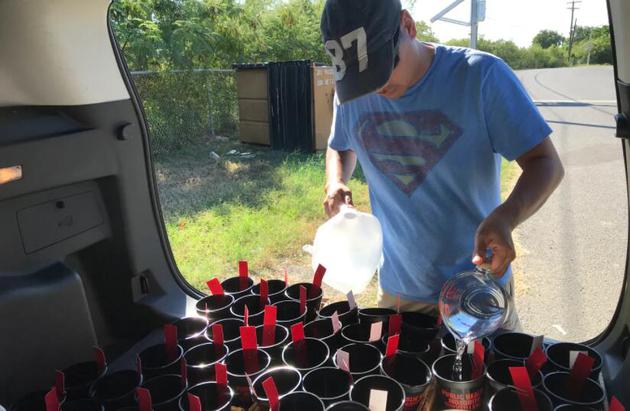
{"x": 572, "y": 252}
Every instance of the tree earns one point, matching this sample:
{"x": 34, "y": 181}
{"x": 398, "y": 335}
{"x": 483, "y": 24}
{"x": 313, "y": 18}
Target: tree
{"x": 548, "y": 38}
{"x": 424, "y": 32}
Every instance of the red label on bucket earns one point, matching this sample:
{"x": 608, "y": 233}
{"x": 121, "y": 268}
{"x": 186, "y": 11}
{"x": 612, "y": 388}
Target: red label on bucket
{"x": 439, "y": 321}
{"x": 413, "y": 402}
{"x": 302, "y": 299}
{"x": 286, "y": 277}
{"x": 248, "y": 338}
{"x": 170, "y": 341}
{"x": 217, "y": 334}
{"x": 144, "y": 399}
{"x": 342, "y": 358}
{"x": 264, "y": 292}
{"x": 615, "y": 405}
{"x": 51, "y": 400}
{"x": 395, "y": 320}
{"x": 392, "y": 345}
{"x": 579, "y": 373}
{"x": 272, "y": 393}
{"x": 269, "y": 325}
{"x": 297, "y": 332}
{"x": 351, "y": 301}
{"x": 220, "y": 370}
{"x": 467, "y": 401}
{"x": 524, "y": 388}
{"x": 60, "y": 383}
{"x": 535, "y": 362}
{"x": 246, "y": 315}
{"x": 215, "y": 287}
{"x": 194, "y": 403}
{"x": 99, "y": 358}
{"x": 319, "y": 276}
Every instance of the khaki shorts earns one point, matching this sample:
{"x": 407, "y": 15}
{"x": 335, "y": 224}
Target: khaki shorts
{"x": 385, "y": 300}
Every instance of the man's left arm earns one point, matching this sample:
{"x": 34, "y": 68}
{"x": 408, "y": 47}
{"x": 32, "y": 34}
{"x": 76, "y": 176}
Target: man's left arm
{"x": 542, "y": 171}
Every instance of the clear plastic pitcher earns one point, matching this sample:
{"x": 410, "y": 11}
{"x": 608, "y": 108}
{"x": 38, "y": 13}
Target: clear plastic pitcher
{"x": 473, "y": 305}
{"x": 350, "y": 246}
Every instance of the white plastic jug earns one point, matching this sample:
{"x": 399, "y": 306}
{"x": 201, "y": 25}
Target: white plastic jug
{"x": 350, "y": 246}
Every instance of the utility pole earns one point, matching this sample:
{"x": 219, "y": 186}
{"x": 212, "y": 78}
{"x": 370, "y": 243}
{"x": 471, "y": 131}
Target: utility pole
{"x": 473, "y": 24}
{"x": 572, "y": 25}
{"x": 477, "y": 14}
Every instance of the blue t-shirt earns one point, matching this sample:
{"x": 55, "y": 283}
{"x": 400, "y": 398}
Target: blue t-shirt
{"x": 432, "y": 160}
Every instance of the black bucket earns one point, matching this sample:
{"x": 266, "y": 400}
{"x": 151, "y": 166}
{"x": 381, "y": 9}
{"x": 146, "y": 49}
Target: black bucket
{"x": 556, "y": 386}
{"x": 414, "y": 376}
{"x": 448, "y": 346}
{"x": 462, "y": 395}
{"x": 360, "y": 333}
{"x": 191, "y": 331}
{"x": 237, "y": 287}
{"x": 79, "y": 377}
{"x": 237, "y": 371}
{"x": 507, "y": 399}
{"x": 286, "y": 379}
{"x": 305, "y": 355}
{"x": 255, "y": 308}
{"x": 33, "y": 401}
{"x": 360, "y": 392}
{"x": 201, "y": 359}
{"x": 116, "y": 390}
{"x": 420, "y": 325}
{"x": 277, "y": 290}
{"x": 231, "y": 332}
{"x": 155, "y": 361}
{"x": 215, "y": 307}
{"x": 569, "y": 407}
{"x": 499, "y": 377}
{"x": 213, "y": 397}
{"x": 513, "y": 346}
{"x": 301, "y": 401}
{"x": 166, "y": 391}
{"x": 274, "y": 350}
{"x": 411, "y": 345}
{"x": 314, "y": 296}
{"x": 346, "y": 315}
{"x": 365, "y": 359}
{"x": 347, "y": 406}
{"x": 559, "y": 357}
{"x": 322, "y": 329}
{"x": 288, "y": 313}
{"x": 83, "y": 404}
{"x": 374, "y": 315}
{"x": 329, "y": 384}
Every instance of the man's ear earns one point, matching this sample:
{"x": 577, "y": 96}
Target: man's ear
{"x": 408, "y": 24}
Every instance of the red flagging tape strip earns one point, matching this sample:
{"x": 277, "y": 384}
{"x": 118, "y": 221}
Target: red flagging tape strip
{"x": 272, "y": 393}
{"x": 392, "y": 345}
{"x": 395, "y": 321}
{"x": 215, "y": 287}
{"x": 524, "y": 388}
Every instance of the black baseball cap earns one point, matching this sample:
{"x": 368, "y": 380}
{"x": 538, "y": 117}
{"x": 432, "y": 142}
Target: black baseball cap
{"x": 361, "y": 37}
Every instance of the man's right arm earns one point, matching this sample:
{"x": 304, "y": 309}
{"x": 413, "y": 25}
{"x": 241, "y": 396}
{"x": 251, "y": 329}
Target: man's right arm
{"x": 339, "y": 168}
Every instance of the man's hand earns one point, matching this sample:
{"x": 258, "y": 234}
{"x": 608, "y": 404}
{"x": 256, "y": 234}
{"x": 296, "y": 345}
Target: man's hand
{"x": 495, "y": 233}
{"x": 337, "y": 194}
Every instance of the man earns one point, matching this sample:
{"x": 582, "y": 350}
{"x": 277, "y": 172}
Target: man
{"x": 429, "y": 124}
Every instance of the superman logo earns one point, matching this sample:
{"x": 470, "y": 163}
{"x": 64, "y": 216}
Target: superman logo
{"x": 406, "y": 146}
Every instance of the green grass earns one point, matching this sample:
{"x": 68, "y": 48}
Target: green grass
{"x": 261, "y": 209}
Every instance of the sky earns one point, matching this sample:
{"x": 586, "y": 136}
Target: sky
{"x": 518, "y": 21}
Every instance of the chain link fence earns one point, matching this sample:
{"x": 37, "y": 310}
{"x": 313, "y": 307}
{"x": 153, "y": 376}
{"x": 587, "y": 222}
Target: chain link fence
{"x": 185, "y": 106}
